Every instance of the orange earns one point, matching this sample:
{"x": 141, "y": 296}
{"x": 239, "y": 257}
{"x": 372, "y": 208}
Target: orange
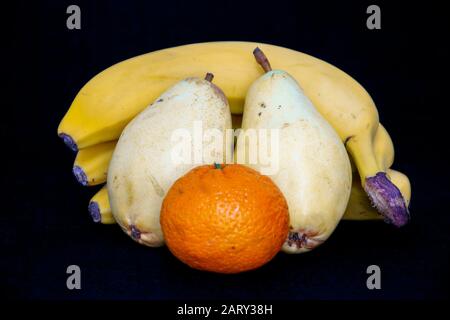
{"x": 225, "y": 219}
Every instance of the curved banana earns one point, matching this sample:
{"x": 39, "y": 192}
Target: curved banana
{"x": 111, "y": 99}
{"x": 91, "y": 164}
{"x": 106, "y": 104}
{"x": 99, "y": 207}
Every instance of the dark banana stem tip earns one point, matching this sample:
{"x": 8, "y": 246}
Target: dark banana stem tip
{"x": 94, "y": 210}
{"x": 387, "y": 199}
{"x": 69, "y": 141}
{"x": 79, "y": 174}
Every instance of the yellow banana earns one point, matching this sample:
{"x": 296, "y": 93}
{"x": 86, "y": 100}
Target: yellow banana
{"x": 359, "y": 206}
{"x": 99, "y": 207}
{"x": 91, "y": 164}
{"x": 111, "y": 99}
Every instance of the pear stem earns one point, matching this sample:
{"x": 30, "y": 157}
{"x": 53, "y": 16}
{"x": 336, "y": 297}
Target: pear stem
{"x": 209, "y": 76}
{"x": 262, "y": 59}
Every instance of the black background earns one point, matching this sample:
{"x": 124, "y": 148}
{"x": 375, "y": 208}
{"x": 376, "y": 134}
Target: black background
{"x": 45, "y": 225}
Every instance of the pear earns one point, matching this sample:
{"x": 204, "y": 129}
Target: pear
{"x": 312, "y": 166}
{"x": 144, "y": 164}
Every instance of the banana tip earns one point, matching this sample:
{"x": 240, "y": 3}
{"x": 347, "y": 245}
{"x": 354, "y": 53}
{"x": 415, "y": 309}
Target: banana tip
{"x": 79, "y": 174}
{"x": 94, "y": 210}
{"x": 69, "y": 141}
{"x": 387, "y": 199}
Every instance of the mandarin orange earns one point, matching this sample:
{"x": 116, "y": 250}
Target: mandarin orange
{"x": 224, "y": 218}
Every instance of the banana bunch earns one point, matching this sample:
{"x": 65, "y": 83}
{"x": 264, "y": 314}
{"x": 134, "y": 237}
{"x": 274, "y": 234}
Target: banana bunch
{"x": 110, "y": 100}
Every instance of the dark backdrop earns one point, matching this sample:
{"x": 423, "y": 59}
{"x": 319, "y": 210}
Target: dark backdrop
{"x": 45, "y": 225}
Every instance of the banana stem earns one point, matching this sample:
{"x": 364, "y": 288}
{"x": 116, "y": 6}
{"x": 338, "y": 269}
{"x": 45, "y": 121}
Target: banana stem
{"x": 80, "y": 175}
{"x": 262, "y": 59}
{"x": 94, "y": 210}
{"x": 68, "y": 141}
{"x": 388, "y": 199}
{"x": 209, "y": 77}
